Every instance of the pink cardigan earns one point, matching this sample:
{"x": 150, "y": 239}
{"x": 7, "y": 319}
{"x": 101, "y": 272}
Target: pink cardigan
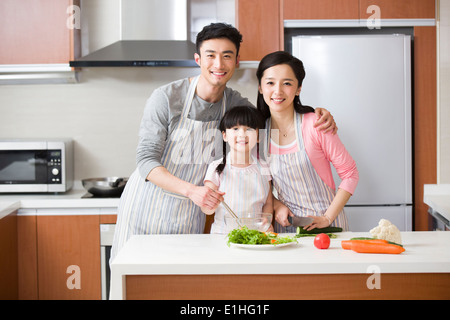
{"x": 323, "y": 148}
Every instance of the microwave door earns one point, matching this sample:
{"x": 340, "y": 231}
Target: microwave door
{"x": 23, "y": 170}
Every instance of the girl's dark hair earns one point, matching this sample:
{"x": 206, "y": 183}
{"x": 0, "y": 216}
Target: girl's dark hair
{"x": 239, "y": 116}
{"x": 274, "y": 59}
{"x": 219, "y": 31}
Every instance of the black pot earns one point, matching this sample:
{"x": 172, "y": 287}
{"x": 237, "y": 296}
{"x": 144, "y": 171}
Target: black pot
{"x": 105, "y": 187}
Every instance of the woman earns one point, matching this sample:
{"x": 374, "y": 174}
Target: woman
{"x": 299, "y": 154}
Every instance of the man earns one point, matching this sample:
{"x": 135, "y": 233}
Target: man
{"x": 177, "y": 135}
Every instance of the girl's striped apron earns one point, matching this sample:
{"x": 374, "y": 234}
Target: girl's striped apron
{"x": 246, "y": 191}
{"x": 298, "y": 185}
{"x": 145, "y": 208}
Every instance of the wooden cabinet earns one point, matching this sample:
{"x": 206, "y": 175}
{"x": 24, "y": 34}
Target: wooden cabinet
{"x": 320, "y": 9}
{"x": 400, "y": 9}
{"x": 36, "y": 32}
{"x": 8, "y": 259}
{"x": 68, "y": 256}
{"x": 59, "y": 257}
{"x": 27, "y": 257}
{"x": 260, "y": 23}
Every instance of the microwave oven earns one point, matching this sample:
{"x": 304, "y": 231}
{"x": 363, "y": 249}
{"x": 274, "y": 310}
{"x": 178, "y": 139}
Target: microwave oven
{"x": 28, "y": 166}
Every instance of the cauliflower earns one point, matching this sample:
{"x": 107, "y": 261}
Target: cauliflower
{"x": 387, "y": 231}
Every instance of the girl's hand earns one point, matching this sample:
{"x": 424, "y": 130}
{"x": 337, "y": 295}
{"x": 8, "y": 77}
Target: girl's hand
{"x": 325, "y": 120}
{"x": 318, "y": 222}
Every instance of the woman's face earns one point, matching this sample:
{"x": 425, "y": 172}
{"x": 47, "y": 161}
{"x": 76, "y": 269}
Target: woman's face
{"x": 279, "y": 86}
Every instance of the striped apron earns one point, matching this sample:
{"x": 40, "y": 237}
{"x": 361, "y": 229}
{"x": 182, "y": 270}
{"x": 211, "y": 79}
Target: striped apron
{"x": 246, "y": 191}
{"x": 298, "y": 184}
{"x": 145, "y": 208}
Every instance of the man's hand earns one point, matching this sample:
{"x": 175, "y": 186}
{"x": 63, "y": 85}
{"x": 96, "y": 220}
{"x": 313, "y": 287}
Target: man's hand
{"x": 325, "y": 121}
{"x": 205, "y": 197}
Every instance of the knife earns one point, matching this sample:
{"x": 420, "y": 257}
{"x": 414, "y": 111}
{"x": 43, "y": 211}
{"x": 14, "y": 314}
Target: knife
{"x": 300, "y": 221}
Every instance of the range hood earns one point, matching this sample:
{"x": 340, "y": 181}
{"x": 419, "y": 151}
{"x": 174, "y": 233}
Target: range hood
{"x": 140, "y": 33}
{"x": 141, "y": 53}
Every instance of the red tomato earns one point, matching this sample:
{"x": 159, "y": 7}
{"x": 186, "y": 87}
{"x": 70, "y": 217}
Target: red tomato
{"x": 322, "y": 241}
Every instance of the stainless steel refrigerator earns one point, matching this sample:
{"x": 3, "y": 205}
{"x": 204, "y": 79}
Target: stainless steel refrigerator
{"x": 365, "y": 82}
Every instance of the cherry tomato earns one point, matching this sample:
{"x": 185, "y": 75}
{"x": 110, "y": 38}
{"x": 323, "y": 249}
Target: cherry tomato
{"x": 322, "y": 241}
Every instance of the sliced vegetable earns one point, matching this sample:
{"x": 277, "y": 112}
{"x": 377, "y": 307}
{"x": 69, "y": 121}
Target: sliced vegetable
{"x": 300, "y": 230}
{"x": 301, "y": 235}
{"x": 372, "y": 246}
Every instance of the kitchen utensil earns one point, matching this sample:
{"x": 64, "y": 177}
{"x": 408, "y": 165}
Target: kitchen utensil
{"x": 232, "y": 213}
{"x": 260, "y": 221}
{"x": 300, "y": 221}
{"x": 105, "y": 187}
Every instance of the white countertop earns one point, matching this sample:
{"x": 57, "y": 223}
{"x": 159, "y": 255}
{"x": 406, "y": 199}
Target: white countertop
{"x": 27, "y": 203}
{"x": 437, "y": 196}
{"x": 426, "y": 252}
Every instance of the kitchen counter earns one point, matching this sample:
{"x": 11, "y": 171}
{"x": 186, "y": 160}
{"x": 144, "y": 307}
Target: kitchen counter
{"x": 46, "y": 203}
{"x": 152, "y": 261}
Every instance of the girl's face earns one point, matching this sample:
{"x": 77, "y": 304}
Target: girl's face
{"x": 241, "y": 139}
{"x": 279, "y": 86}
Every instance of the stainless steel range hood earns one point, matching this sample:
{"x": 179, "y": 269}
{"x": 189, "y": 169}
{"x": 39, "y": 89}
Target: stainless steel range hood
{"x": 142, "y": 33}
{"x": 141, "y": 53}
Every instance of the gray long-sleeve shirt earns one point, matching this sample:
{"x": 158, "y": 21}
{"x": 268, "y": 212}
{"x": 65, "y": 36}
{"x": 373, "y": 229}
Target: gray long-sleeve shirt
{"x": 162, "y": 113}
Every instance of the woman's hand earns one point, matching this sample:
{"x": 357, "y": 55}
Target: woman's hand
{"x": 318, "y": 222}
{"x": 325, "y": 120}
{"x": 282, "y": 213}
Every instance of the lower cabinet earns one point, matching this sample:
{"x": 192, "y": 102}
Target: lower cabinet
{"x": 68, "y": 257}
{"x": 8, "y": 259}
{"x": 59, "y": 257}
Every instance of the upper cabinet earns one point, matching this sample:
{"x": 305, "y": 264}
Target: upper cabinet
{"x": 259, "y": 22}
{"x": 262, "y": 22}
{"x": 38, "y": 39}
{"x": 320, "y": 9}
{"x": 37, "y": 31}
{"x": 400, "y": 9}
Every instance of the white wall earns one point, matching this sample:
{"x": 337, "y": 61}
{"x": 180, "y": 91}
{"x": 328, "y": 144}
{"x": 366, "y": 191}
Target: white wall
{"x": 101, "y": 113}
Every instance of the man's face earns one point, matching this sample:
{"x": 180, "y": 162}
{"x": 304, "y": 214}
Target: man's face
{"x": 217, "y": 60}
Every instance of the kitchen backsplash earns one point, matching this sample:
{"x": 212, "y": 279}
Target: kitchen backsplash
{"x": 101, "y": 113}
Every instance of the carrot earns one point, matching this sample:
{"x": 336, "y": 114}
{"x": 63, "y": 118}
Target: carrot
{"x": 368, "y": 247}
{"x": 347, "y": 244}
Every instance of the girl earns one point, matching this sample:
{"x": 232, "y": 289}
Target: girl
{"x": 242, "y": 179}
{"x": 300, "y": 155}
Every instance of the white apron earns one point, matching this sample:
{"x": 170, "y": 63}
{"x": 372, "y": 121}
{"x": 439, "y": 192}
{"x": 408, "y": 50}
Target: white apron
{"x": 145, "y": 208}
{"x": 298, "y": 184}
{"x": 246, "y": 191}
